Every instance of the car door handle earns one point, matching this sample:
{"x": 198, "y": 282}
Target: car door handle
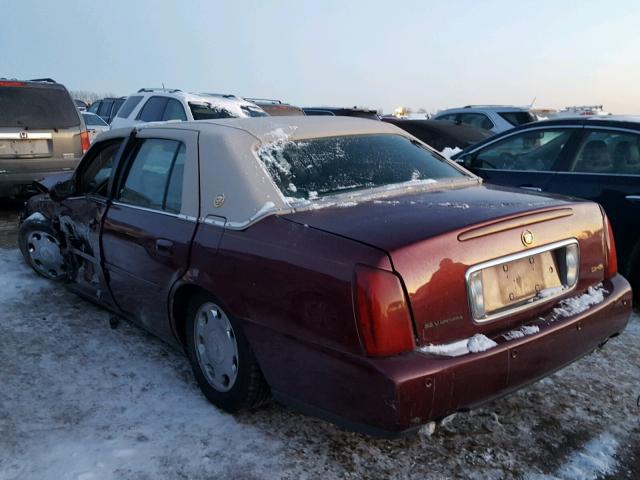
{"x": 633, "y": 198}
{"x": 164, "y": 247}
{"x": 531, "y": 187}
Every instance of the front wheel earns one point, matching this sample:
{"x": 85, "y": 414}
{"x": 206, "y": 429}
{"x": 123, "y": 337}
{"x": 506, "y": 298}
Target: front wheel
{"x": 221, "y": 358}
{"x": 41, "y": 249}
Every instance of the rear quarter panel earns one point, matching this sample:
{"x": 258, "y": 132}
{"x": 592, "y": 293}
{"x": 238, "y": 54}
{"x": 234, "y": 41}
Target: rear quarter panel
{"x": 290, "y": 287}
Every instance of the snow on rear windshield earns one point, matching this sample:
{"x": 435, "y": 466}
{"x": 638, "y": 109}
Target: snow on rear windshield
{"x": 317, "y": 167}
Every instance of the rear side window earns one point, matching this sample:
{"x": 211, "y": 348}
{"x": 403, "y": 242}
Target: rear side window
{"x": 174, "y": 111}
{"x": 128, "y": 106}
{"x": 207, "y": 111}
{"x": 153, "y": 109}
{"x": 517, "y": 118}
{"x": 608, "y": 152}
{"x": 37, "y": 107}
{"x": 477, "y": 120}
{"x": 325, "y": 166}
{"x": 150, "y": 180}
{"x": 536, "y": 150}
{"x": 173, "y": 201}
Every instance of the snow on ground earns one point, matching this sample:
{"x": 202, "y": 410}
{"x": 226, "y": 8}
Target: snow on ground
{"x": 80, "y": 401}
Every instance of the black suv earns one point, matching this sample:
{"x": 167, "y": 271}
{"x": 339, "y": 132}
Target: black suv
{"x": 41, "y": 133}
{"x": 107, "y": 108}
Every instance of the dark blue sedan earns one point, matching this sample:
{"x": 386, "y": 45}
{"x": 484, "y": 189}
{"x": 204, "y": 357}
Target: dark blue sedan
{"x": 597, "y": 158}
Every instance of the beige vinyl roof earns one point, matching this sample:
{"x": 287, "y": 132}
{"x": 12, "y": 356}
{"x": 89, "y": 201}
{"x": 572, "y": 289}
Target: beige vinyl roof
{"x": 235, "y": 187}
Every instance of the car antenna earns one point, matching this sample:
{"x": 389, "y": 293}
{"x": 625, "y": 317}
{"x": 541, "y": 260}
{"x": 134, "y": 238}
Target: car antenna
{"x": 533, "y": 101}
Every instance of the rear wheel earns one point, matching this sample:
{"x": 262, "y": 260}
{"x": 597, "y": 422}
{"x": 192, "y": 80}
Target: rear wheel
{"x": 221, "y": 357}
{"x": 41, "y": 249}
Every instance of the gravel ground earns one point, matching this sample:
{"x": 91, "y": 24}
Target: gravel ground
{"x": 82, "y": 401}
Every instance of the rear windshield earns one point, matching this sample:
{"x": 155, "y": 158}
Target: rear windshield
{"x": 208, "y": 111}
{"x": 308, "y": 169}
{"x": 37, "y": 107}
{"x": 517, "y": 118}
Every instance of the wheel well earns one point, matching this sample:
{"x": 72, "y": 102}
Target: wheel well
{"x": 181, "y": 299}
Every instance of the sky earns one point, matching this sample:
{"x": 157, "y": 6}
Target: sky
{"x": 380, "y": 54}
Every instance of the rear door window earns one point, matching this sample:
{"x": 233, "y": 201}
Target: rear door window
{"x": 153, "y": 109}
{"x": 608, "y": 152}
{"x": 536, "y": 150}
{"x": 148, "y": 181}
{"x": 25, "y": 106}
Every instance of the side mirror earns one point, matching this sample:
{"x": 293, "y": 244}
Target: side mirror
{"x": 62, "y": 190}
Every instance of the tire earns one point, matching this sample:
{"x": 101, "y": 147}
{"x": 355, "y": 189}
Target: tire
{"x": 41, "y": 249}
{"x": 214, "y": 344}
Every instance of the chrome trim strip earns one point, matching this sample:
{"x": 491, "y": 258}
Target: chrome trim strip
{"x": 633, "y": 198}
{"x": 510, "y": 258}
{"x": 145, "y": 209}
{"x": 213, "y": 220}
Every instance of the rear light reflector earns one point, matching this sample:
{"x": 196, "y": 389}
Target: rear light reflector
{"x": 84, "y": 141}
{"x": 611, "y": 255}
{"x": 476, "y": 295}
{"x": 572, "y": 262}
{"x": 382, "y": 312}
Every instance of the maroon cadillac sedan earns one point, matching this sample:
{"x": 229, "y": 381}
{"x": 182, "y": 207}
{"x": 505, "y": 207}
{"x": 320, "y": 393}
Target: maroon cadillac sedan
{"x": 337, "y": 264}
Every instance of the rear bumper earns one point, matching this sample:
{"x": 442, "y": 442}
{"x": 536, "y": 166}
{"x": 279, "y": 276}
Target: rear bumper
{"x": 394, "y": 396}
{"x": 17, "y": 175}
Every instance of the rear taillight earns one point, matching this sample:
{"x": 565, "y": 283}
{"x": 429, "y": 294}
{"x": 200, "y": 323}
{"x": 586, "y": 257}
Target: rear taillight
{"x": 384, "y": 320}
{"x": 11, "y": 83}
{"x": 84, "y": 141}
{"x": 611, "y": 256}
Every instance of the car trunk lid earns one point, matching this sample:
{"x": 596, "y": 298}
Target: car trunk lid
{"x": 434, "y": 238}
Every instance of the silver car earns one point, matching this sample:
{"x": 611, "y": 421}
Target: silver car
{"x": 41, "y": 133}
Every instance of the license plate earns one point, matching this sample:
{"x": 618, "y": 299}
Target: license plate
{"x": 10, "y": 148}
{"x": 516, "y": 282}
